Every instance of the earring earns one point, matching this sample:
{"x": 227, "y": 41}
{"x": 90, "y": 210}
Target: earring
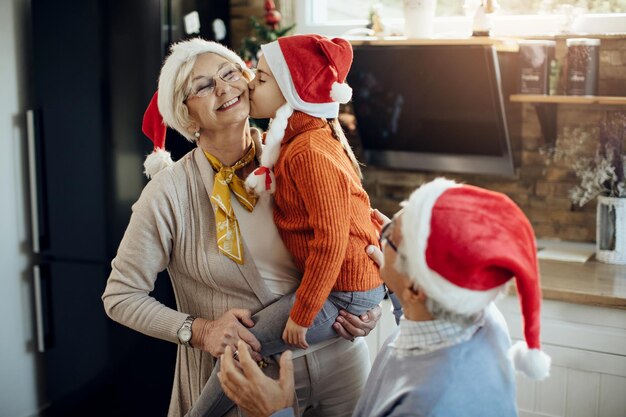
{"x": 197, "y": 134}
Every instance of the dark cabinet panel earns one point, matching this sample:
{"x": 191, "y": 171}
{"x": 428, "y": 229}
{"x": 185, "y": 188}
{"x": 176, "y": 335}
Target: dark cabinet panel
{"x": 93, "y": 366}
{"x": 68, "y": 81}
{"x": 95, "y": 66}
{"x": 73, "y": 330}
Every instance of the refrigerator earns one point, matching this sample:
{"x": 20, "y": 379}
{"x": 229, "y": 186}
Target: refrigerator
{"x": 94, "y": 68}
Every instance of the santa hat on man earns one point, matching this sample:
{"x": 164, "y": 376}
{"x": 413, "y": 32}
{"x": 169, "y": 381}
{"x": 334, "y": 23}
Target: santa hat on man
{"x": 465, "y": 243}
{"x": 310, "y": 71}
{"x": 160, "y": 111}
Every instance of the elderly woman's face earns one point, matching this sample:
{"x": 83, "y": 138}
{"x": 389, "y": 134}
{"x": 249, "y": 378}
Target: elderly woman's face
{"x": 219, "y": 93}
{"x": 265, "y": 95}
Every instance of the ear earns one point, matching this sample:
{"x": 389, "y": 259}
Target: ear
{"x": 193, "y": 128}
{"x": 413, "y": 294}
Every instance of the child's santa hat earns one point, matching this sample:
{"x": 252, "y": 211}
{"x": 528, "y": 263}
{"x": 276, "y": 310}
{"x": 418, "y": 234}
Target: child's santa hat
{"x": 160, "y": 111}
{"x": 465, "y": 243}
{"x": 311, "y": 71}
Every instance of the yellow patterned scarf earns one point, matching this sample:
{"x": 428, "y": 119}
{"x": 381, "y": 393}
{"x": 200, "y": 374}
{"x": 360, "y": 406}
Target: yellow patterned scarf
{"x": 228, "y": 235}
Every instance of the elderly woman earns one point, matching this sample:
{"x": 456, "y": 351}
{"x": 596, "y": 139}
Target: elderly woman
{"x": 223, "y": 254}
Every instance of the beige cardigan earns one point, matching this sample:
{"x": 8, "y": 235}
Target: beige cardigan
{"x": 173, "y": 227}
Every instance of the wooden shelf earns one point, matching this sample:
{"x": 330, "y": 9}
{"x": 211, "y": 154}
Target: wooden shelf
{"x": 546, "y": 108}
{"x": 501, "y": 44}
{"x": 539, "y": 98}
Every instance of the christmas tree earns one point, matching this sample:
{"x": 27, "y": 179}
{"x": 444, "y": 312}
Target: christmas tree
{"x": 263, "y": 33}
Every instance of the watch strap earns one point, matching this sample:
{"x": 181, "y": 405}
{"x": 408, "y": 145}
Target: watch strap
{"x": 187, "y": 325}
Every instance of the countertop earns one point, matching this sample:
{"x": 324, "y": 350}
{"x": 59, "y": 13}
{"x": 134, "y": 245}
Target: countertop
{"x": 591, "y": 283}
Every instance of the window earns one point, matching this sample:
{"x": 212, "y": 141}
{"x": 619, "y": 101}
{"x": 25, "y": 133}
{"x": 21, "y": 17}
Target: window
{"x": 514, "y": 17}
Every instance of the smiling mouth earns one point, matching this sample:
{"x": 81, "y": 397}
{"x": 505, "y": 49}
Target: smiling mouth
{"x": 230, "y": 103}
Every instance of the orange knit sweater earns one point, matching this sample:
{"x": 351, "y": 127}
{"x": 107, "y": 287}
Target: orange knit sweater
{"x": 323, "y": 215}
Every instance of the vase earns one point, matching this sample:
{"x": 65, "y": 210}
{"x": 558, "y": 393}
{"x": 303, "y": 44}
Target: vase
{"x": 419, "y": 16}
{"x": 611, "y": 230}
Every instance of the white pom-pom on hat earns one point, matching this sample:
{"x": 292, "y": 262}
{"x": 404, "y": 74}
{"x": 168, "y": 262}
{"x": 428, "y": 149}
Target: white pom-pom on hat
{"x": 341, "y": 92}
{"x": 261, "y": 180}
{"x": 534, "y": 363}
{"x": 158, "y": 160}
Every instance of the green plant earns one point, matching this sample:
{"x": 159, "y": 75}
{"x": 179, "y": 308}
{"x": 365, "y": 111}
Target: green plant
{"x": 263, "y": 32}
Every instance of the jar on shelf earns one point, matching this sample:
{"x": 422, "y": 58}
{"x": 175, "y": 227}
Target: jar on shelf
{"x": 536, "y": 66}
{"x": 583, "y": 57}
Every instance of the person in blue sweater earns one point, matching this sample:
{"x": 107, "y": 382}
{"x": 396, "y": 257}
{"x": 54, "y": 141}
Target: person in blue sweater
{"x": 446, "y": 255}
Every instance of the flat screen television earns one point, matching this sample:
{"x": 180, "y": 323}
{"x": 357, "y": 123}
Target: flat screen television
{"x": 432, "y": 108}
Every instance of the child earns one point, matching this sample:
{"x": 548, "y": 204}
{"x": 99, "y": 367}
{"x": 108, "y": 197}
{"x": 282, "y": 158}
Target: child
{"x": 321, "y": 209}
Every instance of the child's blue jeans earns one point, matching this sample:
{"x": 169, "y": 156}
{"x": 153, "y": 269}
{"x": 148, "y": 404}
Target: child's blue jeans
{"x": 268, "y": 329}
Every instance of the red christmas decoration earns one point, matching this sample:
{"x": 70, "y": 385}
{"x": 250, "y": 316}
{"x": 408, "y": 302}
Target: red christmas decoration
{"x": 265, "y": 31}
{"x": 272, "y": 16}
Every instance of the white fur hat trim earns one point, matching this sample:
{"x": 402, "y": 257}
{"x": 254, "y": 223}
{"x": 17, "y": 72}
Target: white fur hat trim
{"x": 271, "y": 151}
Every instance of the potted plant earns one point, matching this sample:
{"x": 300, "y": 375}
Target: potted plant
{"x": 602, "y": 176}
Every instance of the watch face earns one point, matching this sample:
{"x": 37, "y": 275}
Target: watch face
{"x": 184, "y": 335}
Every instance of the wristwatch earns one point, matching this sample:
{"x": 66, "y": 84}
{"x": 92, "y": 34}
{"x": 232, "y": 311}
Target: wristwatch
{"x": 184, "y": 333}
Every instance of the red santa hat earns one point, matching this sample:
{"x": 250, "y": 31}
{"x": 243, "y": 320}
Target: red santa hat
{"x": 465, "y": 244}
{"x": 154, "y": 128}
{"x": 311, "y": 71}
{"x": 160, "y": 112}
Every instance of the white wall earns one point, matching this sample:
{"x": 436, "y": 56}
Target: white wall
{"x": 18, "y": 358}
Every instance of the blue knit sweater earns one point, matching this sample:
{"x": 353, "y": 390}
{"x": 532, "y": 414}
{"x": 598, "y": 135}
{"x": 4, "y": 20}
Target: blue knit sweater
{"x": 470, "y": 379}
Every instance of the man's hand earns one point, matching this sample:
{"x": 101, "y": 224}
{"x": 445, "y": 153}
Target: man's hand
{"x": 350, "y": 326}
{"x": 214, "y": 336}
{"x": 295, "y": 335}
{"x": 250, "y": 389}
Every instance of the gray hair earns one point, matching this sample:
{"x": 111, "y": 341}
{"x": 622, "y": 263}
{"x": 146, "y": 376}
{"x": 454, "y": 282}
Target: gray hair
{"x": 434, "y": 307}
{"x": 439, "y": 312}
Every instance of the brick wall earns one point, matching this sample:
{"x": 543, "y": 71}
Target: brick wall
{"x": 541, "y": 190}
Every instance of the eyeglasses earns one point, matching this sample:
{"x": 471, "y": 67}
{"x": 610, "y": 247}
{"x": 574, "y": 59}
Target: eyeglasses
{"x": 230, "y": 73}
{"x": 384, "y": 236}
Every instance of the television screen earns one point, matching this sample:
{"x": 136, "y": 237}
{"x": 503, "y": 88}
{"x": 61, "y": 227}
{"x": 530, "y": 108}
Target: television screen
{"x": 431, "y": 107}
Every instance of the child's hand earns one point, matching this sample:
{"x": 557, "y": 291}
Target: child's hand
{"x": 295, "y": 334}
{"x": 378, "y": 219}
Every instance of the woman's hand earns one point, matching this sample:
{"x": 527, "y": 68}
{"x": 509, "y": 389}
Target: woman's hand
{"x": 250, "y": 389}
{"x": 214, "y": 336}
{"x": 295, "y": 334}
{"x": 350, "y": 326}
